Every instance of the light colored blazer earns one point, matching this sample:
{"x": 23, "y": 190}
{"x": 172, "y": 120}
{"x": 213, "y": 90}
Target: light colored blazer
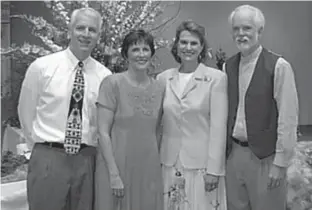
{"x": 194, "y": 125}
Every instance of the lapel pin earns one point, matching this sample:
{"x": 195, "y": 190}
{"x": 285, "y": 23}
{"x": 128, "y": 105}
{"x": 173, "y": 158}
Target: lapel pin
{"x": 207, "y": 79}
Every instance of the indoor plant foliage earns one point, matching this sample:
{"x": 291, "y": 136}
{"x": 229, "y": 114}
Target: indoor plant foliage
{"x": 299, "y": 173}
{"x": 119, "y": 18}
{"x": 220, "y": 57}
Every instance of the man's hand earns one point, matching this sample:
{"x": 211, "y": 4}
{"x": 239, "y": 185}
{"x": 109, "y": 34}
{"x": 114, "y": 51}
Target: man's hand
{"x": 211, "y": 182}
{"x": 117, "y": 186}
{"x": 276, "y": 176}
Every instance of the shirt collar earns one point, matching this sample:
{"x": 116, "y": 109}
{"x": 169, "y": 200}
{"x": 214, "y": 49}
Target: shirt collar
{"x": 252, "y": 56}
{"x": 74, "y": 60}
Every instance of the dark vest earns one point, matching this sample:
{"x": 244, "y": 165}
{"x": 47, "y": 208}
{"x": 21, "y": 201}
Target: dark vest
{"x": 260, "y": 106}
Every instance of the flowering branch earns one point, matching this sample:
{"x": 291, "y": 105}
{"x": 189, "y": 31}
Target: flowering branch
{"x": 119, "y": 17}
{"x": 168, "y": 20}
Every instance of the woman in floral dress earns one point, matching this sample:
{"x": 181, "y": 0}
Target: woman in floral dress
{"x": 128, "y": 171}
{"x": 194, "y": 126}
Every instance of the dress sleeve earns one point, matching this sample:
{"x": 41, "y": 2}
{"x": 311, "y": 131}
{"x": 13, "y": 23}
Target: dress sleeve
{"x": 107, "y": 94}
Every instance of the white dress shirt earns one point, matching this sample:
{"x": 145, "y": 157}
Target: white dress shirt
{"x": 285, "y": 94}
{"x": 45, "y": 97}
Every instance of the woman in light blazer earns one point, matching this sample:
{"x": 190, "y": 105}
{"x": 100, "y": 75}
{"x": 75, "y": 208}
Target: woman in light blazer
{"x": 194, "y": 126}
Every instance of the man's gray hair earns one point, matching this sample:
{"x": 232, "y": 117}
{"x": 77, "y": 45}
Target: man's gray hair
{"x": 85, "y": 10}
{"x": 257, "y": 15}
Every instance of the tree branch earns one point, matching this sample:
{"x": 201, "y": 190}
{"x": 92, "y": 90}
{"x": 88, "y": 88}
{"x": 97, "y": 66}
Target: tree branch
{"x": 166, "y": 22}
{"x": 151, "y": 10}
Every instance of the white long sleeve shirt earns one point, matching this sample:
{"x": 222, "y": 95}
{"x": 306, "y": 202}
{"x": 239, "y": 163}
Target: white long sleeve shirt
{"x": 45, "y": 97}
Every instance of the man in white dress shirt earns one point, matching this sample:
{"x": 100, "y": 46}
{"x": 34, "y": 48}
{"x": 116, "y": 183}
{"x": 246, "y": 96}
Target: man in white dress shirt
{"x": 262, "y": 120}
{"x": 58, "y": 116}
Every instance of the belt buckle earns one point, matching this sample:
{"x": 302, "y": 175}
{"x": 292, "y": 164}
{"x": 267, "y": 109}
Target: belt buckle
{"x": 49, "y": 144}
{"x": 243, "y": 143}
{"x": 82, "y": 146}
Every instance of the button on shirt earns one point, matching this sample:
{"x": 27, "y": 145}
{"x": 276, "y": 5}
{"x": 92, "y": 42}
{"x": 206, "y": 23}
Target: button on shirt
{"x": 285, "y": 94}
{"x": 45, "y": 97}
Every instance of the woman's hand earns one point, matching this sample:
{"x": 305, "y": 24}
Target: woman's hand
{"x": 211, "y": 182}
{"x": 117, "y": 186}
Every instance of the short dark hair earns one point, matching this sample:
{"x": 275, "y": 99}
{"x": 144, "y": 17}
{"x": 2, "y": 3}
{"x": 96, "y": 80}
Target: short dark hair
{"x": 134, "y": 37}
{"x": 195, "y": 28}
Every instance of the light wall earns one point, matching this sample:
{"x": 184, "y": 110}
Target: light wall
{"x": 288, "y": 31}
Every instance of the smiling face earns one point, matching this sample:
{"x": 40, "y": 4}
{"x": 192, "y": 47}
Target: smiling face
{"x": 84, "y": 33}
{"x": 139, "y": 56}
{"x": 189, "y": 46}
{"x": 245, "y": 32}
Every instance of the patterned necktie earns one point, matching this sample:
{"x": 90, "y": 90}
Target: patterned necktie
{"x": 74, "y": 122}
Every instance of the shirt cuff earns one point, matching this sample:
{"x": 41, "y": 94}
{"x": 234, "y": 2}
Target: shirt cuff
{"x": 282, "y": 159}
{"x": 215, "y": 170}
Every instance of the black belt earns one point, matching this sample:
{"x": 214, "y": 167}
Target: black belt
{"x": 242, "y": 143}
{"x": 60, "y": 145}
